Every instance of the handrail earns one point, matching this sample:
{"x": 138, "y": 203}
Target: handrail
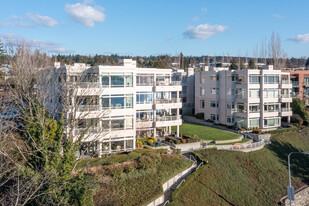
{"x": 193, "y": 159}
{"x": 199, "y": 166}
{"x": 182, "y": 181}
{"x": 166, "y": 202}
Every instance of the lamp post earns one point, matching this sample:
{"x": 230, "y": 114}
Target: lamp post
{"x": 290, "y": 188}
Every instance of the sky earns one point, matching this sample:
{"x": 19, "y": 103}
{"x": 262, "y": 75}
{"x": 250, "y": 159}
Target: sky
{"x": 156, "y": 27}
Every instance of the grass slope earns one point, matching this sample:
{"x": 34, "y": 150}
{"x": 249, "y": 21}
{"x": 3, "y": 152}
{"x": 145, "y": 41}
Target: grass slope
{"x": 122, "y": 181}
{"x": 204, "y": 132}
{"x": 255, "y": 178}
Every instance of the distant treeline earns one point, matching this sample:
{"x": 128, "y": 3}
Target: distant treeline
{"x": 165, "y": 61}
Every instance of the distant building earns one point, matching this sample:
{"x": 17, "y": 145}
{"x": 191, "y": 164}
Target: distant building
{"x": 244, "y": 98}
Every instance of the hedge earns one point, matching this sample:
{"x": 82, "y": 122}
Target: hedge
{"x": 290, "y": 129}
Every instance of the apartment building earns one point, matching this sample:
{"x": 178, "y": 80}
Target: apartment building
{"x": 186, "y": 76}
{"x": 300, "y": 82}
{"x": 244, "y": 98}
{"x": 119, "y": 104}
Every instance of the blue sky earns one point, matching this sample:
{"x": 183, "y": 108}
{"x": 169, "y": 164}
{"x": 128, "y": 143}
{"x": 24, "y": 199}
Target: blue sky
{"x": 148, "y": 27}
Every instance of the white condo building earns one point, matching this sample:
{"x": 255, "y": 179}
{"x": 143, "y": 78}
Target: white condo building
{"x": 244, "y": 98}
{"x": 122, "y": 103}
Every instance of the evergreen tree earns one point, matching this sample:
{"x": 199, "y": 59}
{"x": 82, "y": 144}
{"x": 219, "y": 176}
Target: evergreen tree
{"x": 251, "y": 64}
{"x": 233, "y": 65}
{"x": 307, "y": 63}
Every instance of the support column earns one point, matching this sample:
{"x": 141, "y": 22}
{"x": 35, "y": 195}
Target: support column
{"x": 169, "y": 129}
{"x": 100, "y": 149}
{"x": 177, "y": 131}
{"x": 289, "y": 119}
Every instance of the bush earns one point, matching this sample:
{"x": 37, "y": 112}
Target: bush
{"x": 145, "y": 162}
{"x": 190, "y": 139}
{"x": 130, "y": 167}
{"x": 174, "y": 140}
{"x": 183, "y": 141}
{"x": 298, "y": 107}
{"x": 200, "y": 115}
{"x": 150, "y": 141}
{"x": 153, "y": 138}
{"x": 176, "y": 151}
{"x": 115, "y": 170}
{"x": 300, "y": 121}
{"x": 139, "y": 144}
{"x": 256, "y": 130}
{"x": 289, "y": 129}
{"x": 209, "y": 120}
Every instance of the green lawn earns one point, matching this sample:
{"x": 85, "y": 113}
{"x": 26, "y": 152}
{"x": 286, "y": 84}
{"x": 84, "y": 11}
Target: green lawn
{"x": 134, "y": 178}
{"x": 204, "y": 132}
{"x": 254, "y": 178}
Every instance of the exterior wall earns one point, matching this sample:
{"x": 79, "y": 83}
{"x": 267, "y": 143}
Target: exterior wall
{"x": 118, "y": 105}
{"x": 220, "y": 89}
{"x": 300, "y": 86}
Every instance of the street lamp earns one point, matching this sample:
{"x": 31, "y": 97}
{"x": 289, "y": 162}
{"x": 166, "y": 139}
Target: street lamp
{"x": 290, "y": 188}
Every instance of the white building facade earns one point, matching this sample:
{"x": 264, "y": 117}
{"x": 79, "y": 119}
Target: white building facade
{"x": 244, "y": 98}
{"x": 119, "y": 104}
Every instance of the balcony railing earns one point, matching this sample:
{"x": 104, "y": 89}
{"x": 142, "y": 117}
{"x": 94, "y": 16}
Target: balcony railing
{"x": 168, "y": 101}
{"x": 91, "y": 130}
{"x": 88, "y": 108}
{"x": 286, "y": 109}
{"x": 167, "y": 118}
{"x": 174, "y": 83}
{"x": 285, "y": 96}
{"x": 294, "y": 94}
{"x": 295, "y": 83}
{"x": 285, "y": 81}
{"x": 89, "y": 84}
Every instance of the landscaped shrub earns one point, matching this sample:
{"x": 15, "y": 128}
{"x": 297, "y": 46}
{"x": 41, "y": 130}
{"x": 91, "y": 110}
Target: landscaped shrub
{"x": 153, "y": 138}
{"x": 289, "y": 129}
{"x": 209, "y": 120}
{"x": 176, "y": 151}
{"x": 115, "y": 170}
{"x": 200, "y": 115}
{"x": 190, "y": 139}
{"x": 183, "y": 141}
{"x": 174, "y": 140}
{"x": 150, "y": 141}
{"x": 130, "y": 167}
{"x": 139, "y": 144}
{"x": 256, "y": 130}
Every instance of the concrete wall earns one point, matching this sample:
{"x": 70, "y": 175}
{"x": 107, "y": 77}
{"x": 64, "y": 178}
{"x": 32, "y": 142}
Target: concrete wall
{"x": 188, "y": 146}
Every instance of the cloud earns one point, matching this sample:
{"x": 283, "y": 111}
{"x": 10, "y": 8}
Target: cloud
{"x": 203, "y": 31}
{"x": 48, "y": 46}
{"x": 85, "y": 14}
{"x": 301, "y": 38}
{"x": 278, "y": 16}
{"x": 42, "y": 20}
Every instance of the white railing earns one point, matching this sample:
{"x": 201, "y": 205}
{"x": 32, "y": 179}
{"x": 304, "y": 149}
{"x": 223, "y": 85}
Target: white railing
{"x": 173, "y": 83}
{"x": 167, "y": 118}
{"x": 286, "y": 109}
{"x": 91, "y": 130}
{"x": 88, "y": 108}
{"x": 285, "y": 82}
{"x": 89, "y": 84}
{"x": 243, "y": 146}
{"x": 167, "y": 101}
{"x": 285, "y": 96}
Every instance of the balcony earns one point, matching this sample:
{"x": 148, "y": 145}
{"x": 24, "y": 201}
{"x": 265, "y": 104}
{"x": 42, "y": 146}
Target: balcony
{"x": 306, "y": 84}
{"x": 285, "y": 81}
{"x": 168, "y": 101}
{"x": 88, "y": 108}
{"x": 91, "y": 130}
{"x": 295, "y": 83}
{"x": 167, "y": 118}
{"x": 286, "y": 109}
{"x": 173, "y": 83}
{"x": 85, "y": 85}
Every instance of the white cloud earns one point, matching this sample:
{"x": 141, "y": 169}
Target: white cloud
{"x": 301, "y": 38}
{"x": 204, "y": 10}
{"x": 203, "y": 31}
{"x": 42, "y": 20}
{"x": 277, "y": 16}
{"x": 85, "y": 14}
{"x": 48, "y": 46}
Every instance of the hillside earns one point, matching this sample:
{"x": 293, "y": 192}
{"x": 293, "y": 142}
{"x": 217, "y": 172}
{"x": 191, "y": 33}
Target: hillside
{"x": 256, "y": 178}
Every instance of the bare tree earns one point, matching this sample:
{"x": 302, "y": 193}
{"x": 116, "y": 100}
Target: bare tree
{"x": 276, "y": 52}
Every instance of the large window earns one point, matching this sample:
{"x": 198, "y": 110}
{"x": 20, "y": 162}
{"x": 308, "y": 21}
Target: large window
{"x": 144, "y": 115}
{"x": 254, "y": 122}
{"x": 271, "y": 79}
{"x": 240, "y": 93}
{"x": 241, "y": 108}
{"x": 117, "y": 79}
{"x": 202, "y": 91}
{"x": 117, "y": 101}
{"x": 202, "y": 104}
{"x": 254, "y": 93}
{"x": 214, "y": 90}
{"x": 144, "y": 80}
{"x": 214, "y": 104}
{"x": 144, "y": 98}
{"x": 271, "y": 107}
{"x": 271, "y": 122}
{"x": 118, "y": 123}
{"x": 271, "y": 93}
{"x": 254, "y": 79}
{"x": 255, "y": 108}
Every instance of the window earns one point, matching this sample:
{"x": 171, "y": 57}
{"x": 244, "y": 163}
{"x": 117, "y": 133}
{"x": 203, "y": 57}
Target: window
{"x": 271, "y": 122}
{"x": 213, "y": 104}
{"x": 254, "y": 93}
{"x": 229, "y": 119}
{"x": 217, "y": 77}
{"x": 271, "y": 107}
{"x": 144, "y": 98}
{"x": 202, "y": 78}
{"x": 117, "y": 101}
{"x": 271, "y": 93}
{"x": 241, "y": 108}
{"x": 254, "y": 108}
{"x": 228, "y": 105}
{"x": 117, "y": 80}
{"x": 213, "y": 77}
{"x": 214, "y": 90}
{"x": 254, "y": 122}
{"x": 213, "y": 117}
{"x": 229, "y": 91}
{"x": 202, "y": 104}
{"x": 271, "y": 79}
{"x": 144, "y": 80}
{"x": 144, "y": 115}
{"x": 254, "y": 79}
{"x": 118, "y": 123}
{"x": 240, "y": 93}
{"x": 105, "y": 80}
{"x": 184, "y": 89}
{"x": 202, "y": 91}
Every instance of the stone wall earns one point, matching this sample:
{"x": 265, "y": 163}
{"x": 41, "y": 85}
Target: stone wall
{"x": 301, "y": 198}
